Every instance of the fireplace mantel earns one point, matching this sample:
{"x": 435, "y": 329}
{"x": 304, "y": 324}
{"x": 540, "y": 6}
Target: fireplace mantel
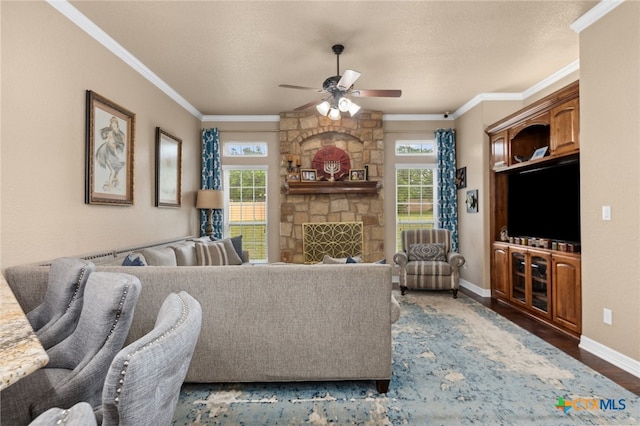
{"x": 326, "y": 187}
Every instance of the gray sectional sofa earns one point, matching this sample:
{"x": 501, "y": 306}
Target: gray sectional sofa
{"x": 264, "y": 322}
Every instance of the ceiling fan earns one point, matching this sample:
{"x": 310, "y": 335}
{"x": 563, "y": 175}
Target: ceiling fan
{"x": 337, "y": 88}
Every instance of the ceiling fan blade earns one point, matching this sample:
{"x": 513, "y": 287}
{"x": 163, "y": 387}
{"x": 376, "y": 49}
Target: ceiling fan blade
{"x": 309, "y": 105}
{"x": 376, "y": 93}
{"x": 348, "y": 78}
{"x": 290, "y": 86}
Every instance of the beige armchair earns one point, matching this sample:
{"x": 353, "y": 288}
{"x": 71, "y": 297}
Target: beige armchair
{"x": 426, "y": 261}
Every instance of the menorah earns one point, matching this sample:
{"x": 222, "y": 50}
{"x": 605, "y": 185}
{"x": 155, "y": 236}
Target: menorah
{"x": 332, "y": 167}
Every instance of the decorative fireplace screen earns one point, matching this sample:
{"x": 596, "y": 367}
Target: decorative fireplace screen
{"x": 337, "y": 239}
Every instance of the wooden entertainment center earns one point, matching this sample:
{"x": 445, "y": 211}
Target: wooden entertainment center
{"x": 536, "y": 273}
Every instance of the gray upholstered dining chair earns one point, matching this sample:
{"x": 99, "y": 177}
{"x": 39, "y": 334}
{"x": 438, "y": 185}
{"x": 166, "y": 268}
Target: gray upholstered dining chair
{"x": 57, "y": 316}
{"x": 427, "y": 262}
{"x": 144, "y": 380}
{"x": 79, "y": 364}
{"x": 80, "y": 414}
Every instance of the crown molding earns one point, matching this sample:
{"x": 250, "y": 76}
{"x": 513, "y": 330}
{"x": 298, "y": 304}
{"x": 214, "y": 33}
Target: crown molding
{"x": 416, "y": 117}
{"x": 74, "y": 15}
{"x": 479, "y": 98}
{"x": 553, "y": 78}
{"x": 236, "y": 118}
{"x": 593, "y": 15}
{"x": 78, "y": 18}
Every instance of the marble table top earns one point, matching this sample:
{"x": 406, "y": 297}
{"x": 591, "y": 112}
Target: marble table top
{"x": 20, "y": 350}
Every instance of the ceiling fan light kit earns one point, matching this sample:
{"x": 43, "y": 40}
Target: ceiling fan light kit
{"x": 323, "y": 108}
{"x": 334, "y": 114}
{"x": 338, "y": 87}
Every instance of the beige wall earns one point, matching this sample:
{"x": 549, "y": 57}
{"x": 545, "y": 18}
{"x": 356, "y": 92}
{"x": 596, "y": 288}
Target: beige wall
{"x": 47, "y": 65}
{"x": 610, "y": 157}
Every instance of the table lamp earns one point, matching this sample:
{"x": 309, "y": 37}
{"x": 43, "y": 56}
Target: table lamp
{"x": 209, "y": 199}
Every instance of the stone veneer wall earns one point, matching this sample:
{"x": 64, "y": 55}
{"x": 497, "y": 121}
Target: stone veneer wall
{"x": 304, "y": 134}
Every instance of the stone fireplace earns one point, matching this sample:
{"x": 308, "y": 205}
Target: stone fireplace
{"x": 302, "y": 135}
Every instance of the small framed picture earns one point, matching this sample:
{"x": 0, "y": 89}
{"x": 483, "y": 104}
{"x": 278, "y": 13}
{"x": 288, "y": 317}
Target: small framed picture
{"x": 357, "y": 174}
{"x": 539, "y": 153}
{"x": 461, "y": 178}
{"x": 293, "y": 177}
{"x": 308, "y": 175}
{"x": 472, "y": 201}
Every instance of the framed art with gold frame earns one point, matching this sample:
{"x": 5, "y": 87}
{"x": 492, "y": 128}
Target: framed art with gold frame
{"x": 110, "y": 135}
{"x": 293, "y": 177}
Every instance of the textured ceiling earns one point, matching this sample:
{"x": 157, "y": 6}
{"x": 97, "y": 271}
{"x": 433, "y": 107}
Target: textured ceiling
{"x": 228, "y": 57}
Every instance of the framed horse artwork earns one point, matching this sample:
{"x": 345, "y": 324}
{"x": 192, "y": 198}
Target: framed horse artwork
{"x": 110, "y": 134}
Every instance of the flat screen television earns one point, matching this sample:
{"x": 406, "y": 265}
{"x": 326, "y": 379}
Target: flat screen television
{"x": 545, "y": 202}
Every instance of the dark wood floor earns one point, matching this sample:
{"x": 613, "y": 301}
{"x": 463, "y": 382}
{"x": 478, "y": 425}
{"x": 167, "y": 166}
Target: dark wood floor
{"x": 560, "y": 340}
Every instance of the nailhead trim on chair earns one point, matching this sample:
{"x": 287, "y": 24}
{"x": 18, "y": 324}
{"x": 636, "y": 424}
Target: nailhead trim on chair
{"x": 83, "y": 271}
{"x": 118, "y": 312}
{"x": 183, "y": 317}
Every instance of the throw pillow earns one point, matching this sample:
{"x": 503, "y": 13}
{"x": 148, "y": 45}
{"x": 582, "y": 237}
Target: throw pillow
{"x": 186, "y": 254}
{"x": 134, "y": 259}
{"x": 427, "y": 251}
{"x": 381, "y": 261}
{"x": 328, "y": 260}
{"x": 159, "y": 257}
{"x": 217, "y": 253}
{"x": 237, "y": 245}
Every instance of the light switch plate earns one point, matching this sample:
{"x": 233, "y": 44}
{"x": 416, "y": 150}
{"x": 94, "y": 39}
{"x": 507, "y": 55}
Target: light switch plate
{"x": 606, "y": 212}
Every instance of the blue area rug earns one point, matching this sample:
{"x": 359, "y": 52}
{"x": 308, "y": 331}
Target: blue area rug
{"x": 454, "y": 362}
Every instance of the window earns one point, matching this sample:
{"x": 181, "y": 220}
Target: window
{"x": 416, "y": 189}
{"x": 417, "y": 147}
{"x": 246, "y": 213}
{"x": 245, "y": 149}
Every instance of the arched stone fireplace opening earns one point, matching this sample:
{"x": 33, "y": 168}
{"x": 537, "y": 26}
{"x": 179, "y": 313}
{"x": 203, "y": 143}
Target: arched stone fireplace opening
{"x": 303, "y": 135}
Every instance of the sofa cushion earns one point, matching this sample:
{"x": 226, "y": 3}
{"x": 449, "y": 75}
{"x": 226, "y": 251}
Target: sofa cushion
{"x": 217, "y": 253}
{"x": 134, "y": 259}
{"x": 428, "y": 267}
{"x": 186, "y": 254}
{"x": 427, "y": 251}
{"x": 159, "y": 256}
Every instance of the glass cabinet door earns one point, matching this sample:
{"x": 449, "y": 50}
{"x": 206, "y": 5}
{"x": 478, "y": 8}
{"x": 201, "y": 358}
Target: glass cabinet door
{"x": 540, "y": 283}
{"x": 518, "y": 277}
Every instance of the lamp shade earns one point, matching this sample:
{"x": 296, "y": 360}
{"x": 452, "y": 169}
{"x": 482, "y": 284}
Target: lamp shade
{"x": 323, "y": 108}
{"x": 210, "y": 199}
{"x": 334, "y": 114}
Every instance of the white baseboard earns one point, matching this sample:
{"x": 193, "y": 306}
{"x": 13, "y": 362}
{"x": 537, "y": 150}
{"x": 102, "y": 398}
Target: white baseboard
{"x": 622, "y": 361}
{"x": 482, "y": 292}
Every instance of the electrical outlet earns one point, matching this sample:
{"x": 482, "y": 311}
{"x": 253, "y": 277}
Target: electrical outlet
{"x": 606, "y": 212}
{"x": 607, "y": 316}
